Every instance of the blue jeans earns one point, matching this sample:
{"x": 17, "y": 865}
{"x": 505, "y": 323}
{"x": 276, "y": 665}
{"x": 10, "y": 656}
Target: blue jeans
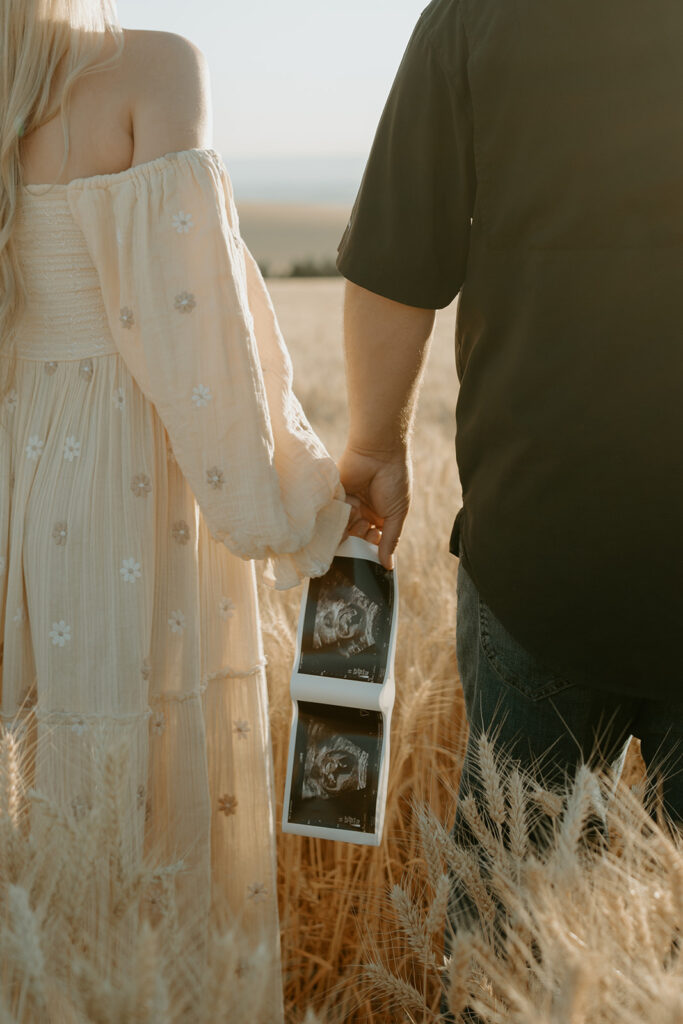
{"x": 541, "y": 720}
{"x": 538, "y": 717}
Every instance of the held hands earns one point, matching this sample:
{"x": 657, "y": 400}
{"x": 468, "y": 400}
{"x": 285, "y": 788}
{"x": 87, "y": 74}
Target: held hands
{"x": 378, "y": 485}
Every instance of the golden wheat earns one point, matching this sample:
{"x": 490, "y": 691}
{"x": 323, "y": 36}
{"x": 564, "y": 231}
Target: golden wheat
{"x": 332, "y": 911}
{"x": 77, "y": 940}
{"x": 591, "y": 931}
{"x": 86, "y": 935}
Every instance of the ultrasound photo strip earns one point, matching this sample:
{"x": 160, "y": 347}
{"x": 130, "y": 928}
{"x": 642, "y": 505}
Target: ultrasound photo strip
{"x": 342, "y": 691}
{"x": 347, "y": 631}
{"x": 336, "y": 772}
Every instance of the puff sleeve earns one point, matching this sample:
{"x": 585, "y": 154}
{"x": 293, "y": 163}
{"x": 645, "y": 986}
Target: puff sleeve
{"x": 193, "y": 321}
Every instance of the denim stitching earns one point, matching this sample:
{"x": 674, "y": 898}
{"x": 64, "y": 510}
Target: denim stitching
{"x": 554, "y": 685}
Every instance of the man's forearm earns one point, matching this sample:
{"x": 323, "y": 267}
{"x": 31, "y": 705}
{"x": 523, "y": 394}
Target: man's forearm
{"x": 386, "y": 347}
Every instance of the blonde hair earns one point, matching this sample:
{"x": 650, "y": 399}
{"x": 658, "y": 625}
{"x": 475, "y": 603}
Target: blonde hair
{"x": 38, "y": 37}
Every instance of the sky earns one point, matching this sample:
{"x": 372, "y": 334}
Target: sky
{"x": 290, "y": 78}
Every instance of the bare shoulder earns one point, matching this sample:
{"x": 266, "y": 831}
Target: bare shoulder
{"x": 170, "y": 97}
{"x": 152, "y": 51}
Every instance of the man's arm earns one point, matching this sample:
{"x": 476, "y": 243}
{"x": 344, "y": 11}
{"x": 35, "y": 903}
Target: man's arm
{"x": 386, "y": 346}
{"x": 407, "y": 241}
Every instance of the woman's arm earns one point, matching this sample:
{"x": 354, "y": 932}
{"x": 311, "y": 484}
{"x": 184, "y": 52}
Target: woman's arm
{"x": 170, "y": 94}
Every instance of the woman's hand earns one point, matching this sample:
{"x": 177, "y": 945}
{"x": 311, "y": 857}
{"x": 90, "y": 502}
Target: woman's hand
{"x": 358, "y": 526}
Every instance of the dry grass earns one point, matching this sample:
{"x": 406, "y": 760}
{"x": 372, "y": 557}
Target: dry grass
{"x": 333, "y": 904}
{"x": 332, "y": 894}
{"x": 85, "y": 936}
{"x": 580, "y": 910}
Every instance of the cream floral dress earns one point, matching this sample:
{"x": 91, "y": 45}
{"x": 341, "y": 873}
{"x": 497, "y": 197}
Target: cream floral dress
{"x": 150, "y": 445}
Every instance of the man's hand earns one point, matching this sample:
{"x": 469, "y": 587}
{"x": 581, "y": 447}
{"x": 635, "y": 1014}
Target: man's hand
{"x": 382, "y": 484}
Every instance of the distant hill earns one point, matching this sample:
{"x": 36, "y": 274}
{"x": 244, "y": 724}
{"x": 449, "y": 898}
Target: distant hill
{"x": 329, "y": 180}
{"x": 299, "y": 238}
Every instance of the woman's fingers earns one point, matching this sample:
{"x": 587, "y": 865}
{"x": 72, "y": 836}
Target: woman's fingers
{"x": 374, "y": 536}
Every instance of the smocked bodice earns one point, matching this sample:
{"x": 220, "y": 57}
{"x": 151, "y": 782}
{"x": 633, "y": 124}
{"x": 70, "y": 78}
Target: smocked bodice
{"x": 65, "y": 316}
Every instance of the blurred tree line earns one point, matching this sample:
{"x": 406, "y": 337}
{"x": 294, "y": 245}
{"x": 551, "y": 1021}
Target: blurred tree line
{"x": 302, "y": 268}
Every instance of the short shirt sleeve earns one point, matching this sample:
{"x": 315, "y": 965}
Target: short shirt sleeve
{"x": 408, "y": 236}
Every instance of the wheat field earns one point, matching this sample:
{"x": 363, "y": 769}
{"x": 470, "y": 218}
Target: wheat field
{"x": 593, "y": 928}
{"x": 331, "y": 893}
{"x": 334, "y": 897}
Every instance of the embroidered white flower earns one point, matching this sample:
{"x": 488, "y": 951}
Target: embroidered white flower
{"x": 158, "y": 722}
{"x": 72, "y": 449}
{"x": 50, "y": 368}
{"x": 11, "y": 399}
{"x": 126, "y": 318}
{"x": 141, "y": 485}
{"x": 177, "y": 622}
{"x": 227, "y": 804}
{"x": 242, "y": 729}
{"x": 170, "y": 455}
{"x": 257, "y": 892}
{"x": 60, "y": 532}
{"x": 86, "y": 368}
{"x": 119, "y": 399}
{"x": 19, "y": 616}
{"x": 226, "y": 608}
{"x": 145, "y": 669}
{"x": 140, "y": 796}
{"x": 130, "y": 570}
{"x": 80, "y": 807}
{"x": 214, "y": 478}
{"x": 60, "y": 634}
{"x": 34, "y": 448}
{"x": 201, "y": 396}
{"x": 79, "y": 726}
{"x": 181, "y": 532}
{"x": 185, "y": 302}
{"x": 182, "y": 222}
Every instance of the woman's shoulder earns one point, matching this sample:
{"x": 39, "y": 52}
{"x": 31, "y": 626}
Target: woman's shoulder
{"x": 171, "y": 52}
{"x": 170, "y": 99}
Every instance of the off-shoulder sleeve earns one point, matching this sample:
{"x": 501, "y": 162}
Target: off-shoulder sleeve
{"x": 193, "y": 321}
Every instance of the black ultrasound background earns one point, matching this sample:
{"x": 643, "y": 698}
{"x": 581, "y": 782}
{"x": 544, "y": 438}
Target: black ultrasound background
{"x": 369, "y": 666}
{"x": 357, "y": 810}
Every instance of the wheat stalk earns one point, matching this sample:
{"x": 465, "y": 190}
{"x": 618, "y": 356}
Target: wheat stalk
{"x": 25, "y": 943}
{"x": 494, "y": 791}
{"x": 393, "y": 990}
{"x": 518, "y": 825}
{"x": 488, "y": 842}
{"x": 10, "y": 786}
{"x": 410, "y": 919}
{"x": 459, "y": 972}
{"x": 151, "y": 1003}
{"x": 436, "y": 916}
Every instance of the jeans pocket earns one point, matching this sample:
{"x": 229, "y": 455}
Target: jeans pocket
{"x": 513, "y": 663}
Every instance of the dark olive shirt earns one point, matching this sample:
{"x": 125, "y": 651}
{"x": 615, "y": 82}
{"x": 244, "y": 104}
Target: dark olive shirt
{"x": 530, "y": 158}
